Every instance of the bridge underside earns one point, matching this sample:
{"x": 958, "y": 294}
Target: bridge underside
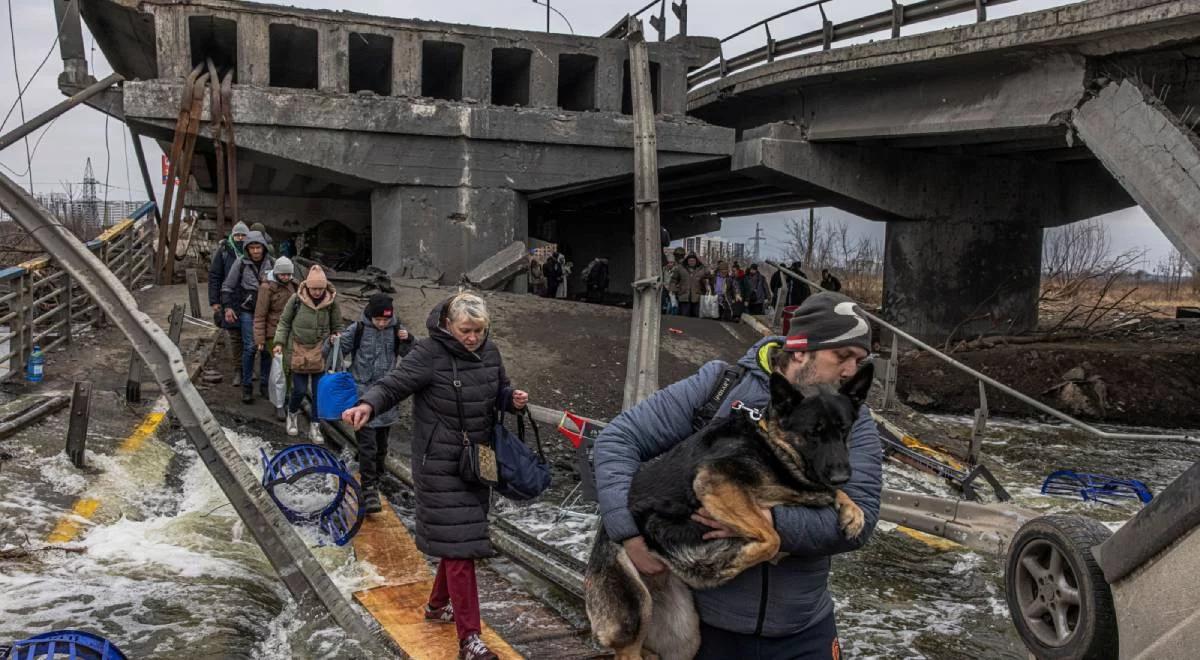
{"x": 968, "y": 142}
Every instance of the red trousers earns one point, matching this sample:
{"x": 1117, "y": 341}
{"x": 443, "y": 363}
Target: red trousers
{"x": 455, "y": 584}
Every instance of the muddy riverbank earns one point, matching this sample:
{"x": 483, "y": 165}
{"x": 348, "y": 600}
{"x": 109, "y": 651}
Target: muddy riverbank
{"x": 1146, "y": 377}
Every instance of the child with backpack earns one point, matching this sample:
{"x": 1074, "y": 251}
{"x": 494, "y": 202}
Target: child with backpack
{"x": 376, "y": 343}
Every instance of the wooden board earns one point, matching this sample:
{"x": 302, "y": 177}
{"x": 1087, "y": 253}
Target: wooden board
{"x": 398, "y": 609}
{"x": 399, "y": 606}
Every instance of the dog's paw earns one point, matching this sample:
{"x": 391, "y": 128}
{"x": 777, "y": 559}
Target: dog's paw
{"x": 850, "y": 516}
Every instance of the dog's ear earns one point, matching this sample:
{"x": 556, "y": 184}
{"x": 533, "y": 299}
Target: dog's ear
{"x": 784, "y": 396}
{"x": 859, "y": 385}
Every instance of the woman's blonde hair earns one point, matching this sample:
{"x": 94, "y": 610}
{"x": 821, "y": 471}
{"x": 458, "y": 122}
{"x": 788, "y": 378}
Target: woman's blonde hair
{"x": 468, "y": 306}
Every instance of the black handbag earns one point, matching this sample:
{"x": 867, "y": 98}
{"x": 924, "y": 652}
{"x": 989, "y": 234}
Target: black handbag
{"x": 523, "y": 474}
{"x": 477, "y": 462}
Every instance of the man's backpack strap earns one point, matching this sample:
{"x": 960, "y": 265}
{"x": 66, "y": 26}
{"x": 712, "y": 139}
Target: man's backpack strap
{"x": 730, "y": 377}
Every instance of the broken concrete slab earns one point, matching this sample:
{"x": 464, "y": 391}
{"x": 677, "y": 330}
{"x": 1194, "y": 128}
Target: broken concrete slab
{"x": 500, "y": 267}
{"x": 1151, "y": 153}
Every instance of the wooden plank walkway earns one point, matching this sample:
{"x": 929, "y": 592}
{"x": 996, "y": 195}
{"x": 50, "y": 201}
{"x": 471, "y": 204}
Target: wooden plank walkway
{"x": 397, "y": 605}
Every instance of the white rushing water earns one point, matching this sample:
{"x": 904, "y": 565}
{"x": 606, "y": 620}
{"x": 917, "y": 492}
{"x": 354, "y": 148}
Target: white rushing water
{"x": 187, "y": 581}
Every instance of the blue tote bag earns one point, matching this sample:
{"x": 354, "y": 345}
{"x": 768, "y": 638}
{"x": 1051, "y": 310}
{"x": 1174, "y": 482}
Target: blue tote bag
{"x": 336, "y": 391}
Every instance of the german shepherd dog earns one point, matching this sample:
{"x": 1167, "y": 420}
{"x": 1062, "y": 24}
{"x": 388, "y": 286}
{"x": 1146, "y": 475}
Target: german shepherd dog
{"x": 797, "y": 454}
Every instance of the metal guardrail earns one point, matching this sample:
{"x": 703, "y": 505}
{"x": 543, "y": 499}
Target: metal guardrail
{"x": 314, "y": 591}
{"x": 983, "y": 379}
{"x": 894, "y": 18}
{"x": 42, "y": 305}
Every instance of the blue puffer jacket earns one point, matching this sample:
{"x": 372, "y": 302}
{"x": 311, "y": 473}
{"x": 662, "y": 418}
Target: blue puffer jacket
{"x": 769, "y": 600}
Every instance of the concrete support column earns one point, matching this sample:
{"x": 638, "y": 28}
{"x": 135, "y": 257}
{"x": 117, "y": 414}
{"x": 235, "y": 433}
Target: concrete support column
{"x": 173, "y": 44}
{"x": 254, "y": 50}
{"x": 1153, "y": 156}
{"x": 447, "y": 230}
{"x": 406, "y": 64}
{"x": 962, "y": 278}
{"x": 610, "y": 68}
{"x": 672, "y": 88}
{"x": 477, "y": 72}
{"x": 333, "y": 60}
{"x": 543, "y": 77}
{"x": 70, "y": 43}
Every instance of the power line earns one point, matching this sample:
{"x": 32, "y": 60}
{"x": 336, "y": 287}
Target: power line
{"x": 49, "y": 52}
{"x": 12, "y": 33}
{"x": 28, "y": 170}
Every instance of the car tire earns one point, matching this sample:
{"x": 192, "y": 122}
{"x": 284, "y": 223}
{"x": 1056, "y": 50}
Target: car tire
{"x": 1057, "y": 596}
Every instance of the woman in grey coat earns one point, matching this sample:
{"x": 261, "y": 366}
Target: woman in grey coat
{"x": 457, "y": 380}
{"x": 373, "y": 345}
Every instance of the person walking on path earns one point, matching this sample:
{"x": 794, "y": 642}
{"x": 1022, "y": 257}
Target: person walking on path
{"x": 754, "y": 290}
{"x": 239, "y": 295}
{"x": 376, "y": 342}
{"x": 457, "y": 380}
{"x": 729, "y": 293}
{"x": 782, "y": 608}
{"x": 227, "y": 253}
{"x": 309, "y": 319}
{"x": 830, "y": 282}
{"x": 798, "y": 291}
{"x": 273, "y": 295}
{"x": 552, "y": 270}
{"x": 688, "y": 283}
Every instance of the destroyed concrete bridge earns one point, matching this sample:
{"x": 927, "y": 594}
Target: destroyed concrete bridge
{"x": 447, "y": 142}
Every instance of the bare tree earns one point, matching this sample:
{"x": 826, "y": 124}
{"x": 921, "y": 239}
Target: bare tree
{"x": 1084, "y": 285}
{"x": 857, "y": 263}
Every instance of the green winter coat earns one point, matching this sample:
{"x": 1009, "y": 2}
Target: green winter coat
{"x": 307, "y": 322}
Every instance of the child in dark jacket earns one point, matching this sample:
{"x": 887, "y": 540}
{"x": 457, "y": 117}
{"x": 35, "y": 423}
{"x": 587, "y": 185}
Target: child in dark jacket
{"x": 374, "y": 344}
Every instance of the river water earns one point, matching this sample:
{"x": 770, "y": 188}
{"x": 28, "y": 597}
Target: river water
{"x": 166, "y": 568}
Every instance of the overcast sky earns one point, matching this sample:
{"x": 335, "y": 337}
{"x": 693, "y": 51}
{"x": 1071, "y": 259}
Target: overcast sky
{"x": 62, "y": 149}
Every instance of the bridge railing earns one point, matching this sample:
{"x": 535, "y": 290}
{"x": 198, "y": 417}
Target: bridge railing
{"x": 40, "y": 305}
{"x": 894, "y": 18}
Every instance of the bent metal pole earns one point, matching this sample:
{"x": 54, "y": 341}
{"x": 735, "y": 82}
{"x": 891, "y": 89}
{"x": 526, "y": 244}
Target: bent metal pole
{"x": 291, "y": 558}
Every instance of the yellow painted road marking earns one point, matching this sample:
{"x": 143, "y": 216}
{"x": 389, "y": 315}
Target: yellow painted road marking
{"x": 144, "y": 430}
{"x": 70, "y": 524}
{"x": 935, "y": 542}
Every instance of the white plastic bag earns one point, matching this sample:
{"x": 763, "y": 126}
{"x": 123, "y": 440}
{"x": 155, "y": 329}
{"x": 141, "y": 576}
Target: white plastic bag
{"x": 278, "y": 383}
{"x": 672, "y": 304}
{"x": 708, "y": 307}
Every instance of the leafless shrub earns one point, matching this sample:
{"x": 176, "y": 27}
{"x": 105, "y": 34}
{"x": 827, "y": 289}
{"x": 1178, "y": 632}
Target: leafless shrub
{"x": 1085, "y": 286}
{"x": 858, "y": 263}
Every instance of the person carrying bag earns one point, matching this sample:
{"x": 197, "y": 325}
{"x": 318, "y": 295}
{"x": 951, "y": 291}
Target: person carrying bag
{"x": 453, "y": 377}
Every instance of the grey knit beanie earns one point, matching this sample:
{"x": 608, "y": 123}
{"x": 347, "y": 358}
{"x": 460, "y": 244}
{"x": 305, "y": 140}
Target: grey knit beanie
{"x": 828, "y": 320}
{"x": 240, "y": 228}
{"x": 284, "y": 266}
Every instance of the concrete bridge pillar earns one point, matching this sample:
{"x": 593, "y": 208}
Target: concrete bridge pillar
{"x": 964, "y": 234}
{"x": 426, "y": 230}
{"x": 960, "y": 278}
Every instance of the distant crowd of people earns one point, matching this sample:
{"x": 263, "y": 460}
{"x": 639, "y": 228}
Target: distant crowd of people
{"x": 736, "y": 290}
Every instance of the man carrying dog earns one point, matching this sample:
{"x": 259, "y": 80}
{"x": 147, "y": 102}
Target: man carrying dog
{"x": 774, "y": 610}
